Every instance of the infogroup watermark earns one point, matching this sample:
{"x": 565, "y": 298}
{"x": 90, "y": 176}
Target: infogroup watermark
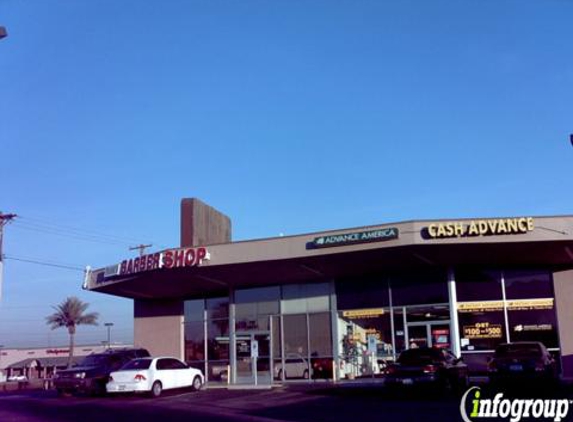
{"x": 480, "y": 409}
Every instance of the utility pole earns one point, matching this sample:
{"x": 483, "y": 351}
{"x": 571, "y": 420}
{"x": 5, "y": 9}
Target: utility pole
{"x": 109, "y": 325}
{"x": 4, "y": 219}
{"x": 141, "y": 248}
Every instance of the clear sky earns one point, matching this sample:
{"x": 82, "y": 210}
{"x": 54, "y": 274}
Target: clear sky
{"x": 289, "y": 116}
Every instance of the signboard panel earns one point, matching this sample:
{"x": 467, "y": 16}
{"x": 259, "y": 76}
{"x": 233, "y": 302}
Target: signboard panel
{"x": 363, "y": 313}
{"x": 344, "y": 239}
{"x": 486, "y": 227}
{"x": 481, "y": 330}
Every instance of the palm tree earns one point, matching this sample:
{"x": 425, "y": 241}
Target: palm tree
{"x": 68, "y": 314}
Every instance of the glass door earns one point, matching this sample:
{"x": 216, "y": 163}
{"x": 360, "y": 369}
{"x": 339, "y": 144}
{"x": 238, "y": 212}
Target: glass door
{"x": 418, "y": 336}
{"x": 429, "y": 334}
{"x": 253, "y": 351}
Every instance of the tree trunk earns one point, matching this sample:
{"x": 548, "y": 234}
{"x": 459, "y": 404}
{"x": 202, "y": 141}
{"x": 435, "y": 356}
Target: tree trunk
{"x": 72, "y": 332}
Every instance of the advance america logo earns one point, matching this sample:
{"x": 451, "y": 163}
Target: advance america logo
{"x": 480, "y": 409}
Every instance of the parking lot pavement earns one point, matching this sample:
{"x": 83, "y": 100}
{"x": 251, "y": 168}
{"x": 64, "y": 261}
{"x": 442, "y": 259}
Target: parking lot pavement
{"x": 293, "y": 403}
{"x": 284, "y": 404}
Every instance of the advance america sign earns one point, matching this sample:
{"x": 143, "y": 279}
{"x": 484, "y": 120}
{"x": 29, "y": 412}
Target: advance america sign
{"x": 345, "y": 239}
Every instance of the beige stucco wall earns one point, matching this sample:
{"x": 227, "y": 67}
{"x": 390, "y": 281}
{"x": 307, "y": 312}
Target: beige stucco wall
{"x": 158, "y": 327}
{"x": 563, "y": 283}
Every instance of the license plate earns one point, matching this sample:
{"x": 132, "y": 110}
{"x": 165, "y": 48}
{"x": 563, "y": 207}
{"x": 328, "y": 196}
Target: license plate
{"x": 407, "y": 381}
{"x": 515, "y": 368}
{"x": 121, "y": 387}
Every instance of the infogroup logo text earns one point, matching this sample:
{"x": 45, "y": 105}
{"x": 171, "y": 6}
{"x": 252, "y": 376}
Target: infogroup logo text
{"x": 512, "y": 409}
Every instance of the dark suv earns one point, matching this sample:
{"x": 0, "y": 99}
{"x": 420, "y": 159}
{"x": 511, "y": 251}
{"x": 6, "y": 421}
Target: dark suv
{"x": 91, "y": 375}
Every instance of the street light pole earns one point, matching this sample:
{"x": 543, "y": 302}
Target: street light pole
{"x": 109, "y": 325}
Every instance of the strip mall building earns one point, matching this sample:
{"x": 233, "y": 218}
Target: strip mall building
{"x": 353, "y": 297}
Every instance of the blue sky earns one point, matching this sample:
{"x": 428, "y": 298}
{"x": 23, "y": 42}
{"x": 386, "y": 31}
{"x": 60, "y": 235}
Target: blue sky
{"x": 289, "y": 116}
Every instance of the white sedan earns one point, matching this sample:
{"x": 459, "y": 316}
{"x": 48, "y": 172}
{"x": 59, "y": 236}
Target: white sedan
{"x": 153, "y": 375}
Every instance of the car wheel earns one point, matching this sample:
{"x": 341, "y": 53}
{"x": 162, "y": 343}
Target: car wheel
{"x": 305, "y": 374}
{"x": 156, "y": 389}
{"x": 197, "y": 383}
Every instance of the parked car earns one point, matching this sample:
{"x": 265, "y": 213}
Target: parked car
{"x": 295, "y": 366}
{"x": 91, "y": 375}
{"x": 428, "y": 366}
{"x": 513, "y": 362}
{"x": 153, "y": 375}
{"x": 19, "y": 378}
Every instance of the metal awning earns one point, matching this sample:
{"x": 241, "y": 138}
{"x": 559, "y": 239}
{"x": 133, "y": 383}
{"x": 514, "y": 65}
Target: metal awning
{"x": 212, "y": 280}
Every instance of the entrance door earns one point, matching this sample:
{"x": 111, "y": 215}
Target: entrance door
{"x": 254, "y": 357}
{"x": 429, "y": 334}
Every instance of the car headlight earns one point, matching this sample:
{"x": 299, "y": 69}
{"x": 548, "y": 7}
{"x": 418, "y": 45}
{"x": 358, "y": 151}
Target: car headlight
{"x": 80, "y": 375}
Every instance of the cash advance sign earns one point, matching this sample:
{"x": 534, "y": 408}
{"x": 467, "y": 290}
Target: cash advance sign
{"x": 489, "y": 227}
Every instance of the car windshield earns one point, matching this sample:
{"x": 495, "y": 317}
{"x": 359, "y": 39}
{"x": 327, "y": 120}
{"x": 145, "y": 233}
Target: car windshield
{"x": 94, "y": 360}
{"x": 420, "y": 357}
{"x": 137, "y": 364}
{"x": 516, "y": 349}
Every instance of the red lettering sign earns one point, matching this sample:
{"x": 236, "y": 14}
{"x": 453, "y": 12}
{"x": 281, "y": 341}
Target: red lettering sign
{"x": 172, "y": 258}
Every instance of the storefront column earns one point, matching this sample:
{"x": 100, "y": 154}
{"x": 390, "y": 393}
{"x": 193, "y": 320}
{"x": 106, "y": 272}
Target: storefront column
{"x": 334, "y": 329}
{"x": 454, "y": 325}
{"x": 206, "y": 343}
{"x": 232, "y": 339}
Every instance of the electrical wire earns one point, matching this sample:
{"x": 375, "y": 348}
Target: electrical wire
{"x": 57, "y": 232}
{"x": 48, "y": 264}
{"x": 83, "y": 232}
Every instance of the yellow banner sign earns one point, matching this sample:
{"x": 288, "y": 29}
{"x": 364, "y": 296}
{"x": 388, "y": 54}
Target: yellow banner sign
{"x": 482, "y": 330}
{"x": 491, "y": 306}
{"x": 363, "y": 313}
{"x": 489, "y": 227}
{"x": 512, "y": 305}
{"x": 530, "y": 304}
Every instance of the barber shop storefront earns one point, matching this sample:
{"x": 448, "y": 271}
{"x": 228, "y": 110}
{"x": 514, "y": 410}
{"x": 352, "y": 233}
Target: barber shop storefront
{"x": 343, "y": 304}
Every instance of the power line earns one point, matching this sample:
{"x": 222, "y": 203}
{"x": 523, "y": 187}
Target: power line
{"x": 46, "y": 224}
{"x": 48, "y": 264}
{"x": 58, "y": 232}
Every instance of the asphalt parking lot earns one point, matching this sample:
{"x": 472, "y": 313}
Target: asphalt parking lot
{"x": 304, "y": 403}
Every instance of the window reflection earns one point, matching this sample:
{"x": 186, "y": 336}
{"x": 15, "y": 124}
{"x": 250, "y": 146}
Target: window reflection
{"x": 478, "y": 284}
{"x": 528, "y": 284}
{"x": 419, "y": 288}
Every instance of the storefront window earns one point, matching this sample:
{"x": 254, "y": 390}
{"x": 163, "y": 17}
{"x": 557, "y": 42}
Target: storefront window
{"x": 218, "y": 308}
{"x": 365, "y": 337}
{"x": 295, "y": 334}
{"x": 194, "y": 341}
{"x": 482, "y": 326}
{"x": 362, "y": 293}
{"x": 477, "y": 284}
{"x": 218, "y": 349}
{"x": 428, "y": 313}
{"x": 399, "y": 331}
{"x": 320, "y": 334}
{"x": 218, "y": 339}
{"x": 422, "y": 288}
{"x": 528, "y": 284}
{"x": 254, "y": 306}
{"x": 302, "y": 298}
{"x": 533, "y": 320}
{"x": 194, "y": 310}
